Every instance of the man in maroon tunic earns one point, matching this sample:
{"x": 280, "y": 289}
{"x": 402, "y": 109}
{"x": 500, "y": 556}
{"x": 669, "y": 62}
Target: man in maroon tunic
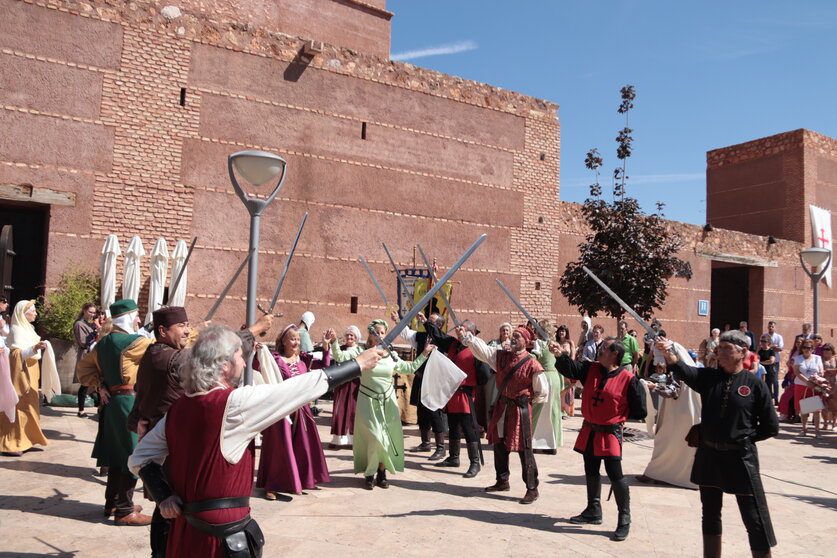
{"x": 461, "y": 409}
{"x": 206, "y": 442}
{"x": 519, "y": 381}
{"x": 158, "y": 385}
{"x": 611, "y": 396}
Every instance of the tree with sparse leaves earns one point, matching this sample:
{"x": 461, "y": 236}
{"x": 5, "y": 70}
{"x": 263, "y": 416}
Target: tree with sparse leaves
{"x": 633, "y": 253}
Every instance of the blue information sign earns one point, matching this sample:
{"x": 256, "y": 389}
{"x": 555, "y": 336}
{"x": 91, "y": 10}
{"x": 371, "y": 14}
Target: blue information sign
{"x": 703, "y": 307}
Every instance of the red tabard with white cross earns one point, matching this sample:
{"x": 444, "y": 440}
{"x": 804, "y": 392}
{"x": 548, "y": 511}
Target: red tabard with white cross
{"x": 603, "y": 406}
{"x": 464, "y": 360}
{"x": 197, "y": 470}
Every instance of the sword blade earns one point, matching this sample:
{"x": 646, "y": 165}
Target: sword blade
{"x": 374, "y": 281}
{"x": 176, "y": 283}
{"x": 621, "y": 302}
{"x": 287, "y": 265}
{"x": 529, "y": 317}
{"x": 223, "y": 294}
{"x": 396, "y": 329}
{"x": 441, "y": 292}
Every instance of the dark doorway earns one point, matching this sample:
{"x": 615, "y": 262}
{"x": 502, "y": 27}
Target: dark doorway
{"x": 730, "y": 298}
{"x": 30, "y": 223}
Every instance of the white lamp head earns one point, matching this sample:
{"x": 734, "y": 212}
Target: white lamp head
{"x": 258, "y": 167}
{"x": 815, "y": 257}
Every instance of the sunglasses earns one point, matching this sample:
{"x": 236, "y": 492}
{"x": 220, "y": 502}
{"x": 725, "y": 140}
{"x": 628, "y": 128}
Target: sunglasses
{"x": 807, "y": 348}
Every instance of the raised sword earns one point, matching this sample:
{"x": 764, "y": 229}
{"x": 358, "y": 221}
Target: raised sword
{"x": 529, "y": 317}
{"x": 223, "y": 294}
{"x": 287, "y": 265}
{"x": 651, "y": 331}
{"x": 397, "y": 274}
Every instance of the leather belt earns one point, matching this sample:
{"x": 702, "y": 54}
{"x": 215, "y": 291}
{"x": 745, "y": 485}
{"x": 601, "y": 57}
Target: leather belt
{"x": 216, "y": 504}
{"x": 721, "y": 446}
{"x": 126, "y": 389}
{"x": 602, "y": 428}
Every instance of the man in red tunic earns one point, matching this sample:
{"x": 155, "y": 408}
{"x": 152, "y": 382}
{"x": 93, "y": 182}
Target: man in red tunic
{"x": 461, "y": 409}
{"x": 206, "y": 442}
{"x": 519, "y": 382}
{"x": 611, "y": 396}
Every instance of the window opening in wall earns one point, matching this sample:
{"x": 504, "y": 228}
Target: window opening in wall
{"x": 537, "y": 285}
{"x": 182, "y": 96}
{"x": 353, "y": 305}
{"x": 543, "y": 156}
{"x": 363, "y": 130}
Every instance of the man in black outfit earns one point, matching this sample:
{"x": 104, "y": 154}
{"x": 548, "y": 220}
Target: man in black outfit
{"x": 737, "y": 411}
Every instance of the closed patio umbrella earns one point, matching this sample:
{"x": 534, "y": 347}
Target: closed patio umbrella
{"x": 159, "y": 267}
{"x": 110, "y": 251}
{"x": 131, "y": 278}
{"x": 178, "y": 297}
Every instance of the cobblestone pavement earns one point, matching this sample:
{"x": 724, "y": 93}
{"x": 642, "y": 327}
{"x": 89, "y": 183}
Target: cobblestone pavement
{"x": 51, "y": 505}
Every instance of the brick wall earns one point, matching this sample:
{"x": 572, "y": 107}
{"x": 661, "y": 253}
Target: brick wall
{"x": 94, "y": 109}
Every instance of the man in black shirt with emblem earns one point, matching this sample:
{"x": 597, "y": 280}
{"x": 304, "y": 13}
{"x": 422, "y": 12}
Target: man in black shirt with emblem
{"x": 737, "y": 411}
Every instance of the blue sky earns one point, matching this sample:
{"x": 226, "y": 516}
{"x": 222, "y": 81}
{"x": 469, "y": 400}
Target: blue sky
{"x": 708, "y": 74}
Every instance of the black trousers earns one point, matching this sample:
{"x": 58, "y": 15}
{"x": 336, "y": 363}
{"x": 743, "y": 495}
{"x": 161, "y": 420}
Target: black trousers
{"x": 462, "y": 425}
{"x": 159, "y": 534}
{"x": 593, "y": 465}
{"x": 119, "y": 492}
{"x": 501, "y": 466}
{"x": 431, "y": 420}
{"x": 82, "y": 397}
{"x": 712, "y": 500}
{"x": 772, "y": 380}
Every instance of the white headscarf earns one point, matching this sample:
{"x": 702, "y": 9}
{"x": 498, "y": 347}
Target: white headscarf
{"x": 354, "y": 330}
{"x": 126, "y": 322}
{"x": 22, "y": 335}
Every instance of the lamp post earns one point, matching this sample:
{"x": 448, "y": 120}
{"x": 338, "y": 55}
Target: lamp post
{"x": 816, "y": 258}
{"x": 257, "y": 167}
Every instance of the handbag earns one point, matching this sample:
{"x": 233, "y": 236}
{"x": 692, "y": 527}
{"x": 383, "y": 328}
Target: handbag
{"x": 811, "y": 405}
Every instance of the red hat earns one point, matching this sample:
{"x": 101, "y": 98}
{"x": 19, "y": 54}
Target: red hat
{"x": 524, "y": 331}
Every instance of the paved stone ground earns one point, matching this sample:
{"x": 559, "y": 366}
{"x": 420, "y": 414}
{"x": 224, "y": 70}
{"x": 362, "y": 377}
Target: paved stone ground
{"x": 51, "y": 504}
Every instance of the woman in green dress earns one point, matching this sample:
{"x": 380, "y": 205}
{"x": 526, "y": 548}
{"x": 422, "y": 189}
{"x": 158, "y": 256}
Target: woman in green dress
{"x": 547, "y": 434}
{"x": 378, "y": 438}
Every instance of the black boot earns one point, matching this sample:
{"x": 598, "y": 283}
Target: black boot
{"x": 453, "y": 457}
{"x": 440, "y": 447}
{"x": 381, "y": 479}
{"x": 425, "y": 444}
{"x": 711, "y": 546}
{"x": 474, "y": 458}
{"x": 622, "y": 494}
{"x": 592, "y": 514}
{"x": 369, "y": 482}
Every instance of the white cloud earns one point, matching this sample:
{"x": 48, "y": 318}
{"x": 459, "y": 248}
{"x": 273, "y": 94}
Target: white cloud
{"x": 452, "y": 48}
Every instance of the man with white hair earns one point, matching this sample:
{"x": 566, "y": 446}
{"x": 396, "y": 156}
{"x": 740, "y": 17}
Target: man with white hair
{"x": 206, "y": 443}
{"x": 112, "y": 366}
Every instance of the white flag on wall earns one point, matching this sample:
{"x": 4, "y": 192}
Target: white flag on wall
{"x": 821, "y": 229}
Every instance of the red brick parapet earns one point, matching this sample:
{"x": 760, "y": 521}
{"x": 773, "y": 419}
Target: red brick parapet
{"x": 246, "y": 37}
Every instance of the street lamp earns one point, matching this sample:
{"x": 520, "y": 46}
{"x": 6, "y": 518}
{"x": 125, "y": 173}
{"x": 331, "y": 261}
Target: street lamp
{"x": 816, "y": 258}
{"x": 257, "y": 167}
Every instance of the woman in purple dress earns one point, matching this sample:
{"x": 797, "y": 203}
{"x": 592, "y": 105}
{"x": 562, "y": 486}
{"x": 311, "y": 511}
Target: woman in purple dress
{"x": 292, "y": 456}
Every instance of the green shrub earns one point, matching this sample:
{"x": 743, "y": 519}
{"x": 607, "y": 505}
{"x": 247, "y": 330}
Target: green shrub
{"x": 57, "y": 314}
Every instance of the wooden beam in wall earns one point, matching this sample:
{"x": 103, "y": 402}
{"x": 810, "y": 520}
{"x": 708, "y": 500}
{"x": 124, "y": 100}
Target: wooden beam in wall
{"x": 29, "y": 193}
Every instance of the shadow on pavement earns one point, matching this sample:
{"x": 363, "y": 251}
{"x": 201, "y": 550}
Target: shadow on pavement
{"x": 55, "y": 469}
{"x": 529, "y": 520}
{"x": 56, "y": 505}
{"x": 821, "y": 501}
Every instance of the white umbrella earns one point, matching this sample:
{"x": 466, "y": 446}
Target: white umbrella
{"x": 110, "y": 251}
{"x": 178, "y": 297}
{"x": 159, "y": 267}
{"x": 131, "y": 276}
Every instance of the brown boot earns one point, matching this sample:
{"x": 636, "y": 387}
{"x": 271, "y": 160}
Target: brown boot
{"x": 531, "y": 496}
{"x": 133, "y": 518}
{"x": 711, "y": 546}
{"x": 498, "y": 487}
